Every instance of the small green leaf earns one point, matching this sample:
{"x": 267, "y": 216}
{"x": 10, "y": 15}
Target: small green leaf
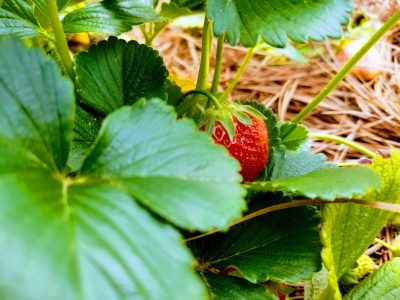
{"x": 286, "y": 164}
{"x": 115, "y": 73}
{"x": 36, "y": 103}
{"x": 234, "y": 288}
{"x": 91, "y": 241}
{"x": 280, "y": 246}
{"x": 275, "y": 21}
{"x": 326, "y": 183}
{"x": 168, "y": 166}
{"x": 193, "y": 5}
{"x": 172, "y": 11}
{"x": 292, "y": 135}
{"x": 383, "y": 284}
{"x": 18, "y": 19}
{"x": 111, "y": 17}
{"x": 317, "y": 288}
{"x": 86, "y": 129}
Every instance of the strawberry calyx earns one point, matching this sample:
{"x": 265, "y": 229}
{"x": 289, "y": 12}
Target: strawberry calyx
{"x": 225, "y": 114}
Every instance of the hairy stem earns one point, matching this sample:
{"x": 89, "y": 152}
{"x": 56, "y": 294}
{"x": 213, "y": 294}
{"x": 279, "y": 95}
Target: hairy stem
{"x": 239, "y": 73}
{"x": 346, "y": 68}
{"x": 343, "y": 141}
{"x": 384, "y": 244}
{"x": 218, "y": 64}
{"x": 299, "y": 203}
{"x": 60, "y": 41}
{"x": 204, "y": 70}
{"x": 186, "y": 105}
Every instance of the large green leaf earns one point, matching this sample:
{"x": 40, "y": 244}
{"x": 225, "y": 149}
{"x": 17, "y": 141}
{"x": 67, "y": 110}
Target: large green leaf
{"x": 349, "y": 229}
{"x": 280, "y": 246}
{"x": 37, "y": 103}
{"x": 234, "y": 288}
{"x": 14, "y": 159}
{"x": 168, "y": 166}
{"x": 277, "y": 20}
{"x": 383, "y": 284}
{"x": 66, "y": 237}
{"x": 18, "y": 19}
{"x": 326, "y": 183}
{"x": 114, "y": 73}
{"x": 86, "y": 241}
{"x": 110, "y": 16}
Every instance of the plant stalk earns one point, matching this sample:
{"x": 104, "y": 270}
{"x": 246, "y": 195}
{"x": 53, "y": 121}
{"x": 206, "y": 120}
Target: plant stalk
{"x": 384, "y": 244}
{"x": 343, "y": 141}
{"x": 60, "y": 41}
{"x": 239, "y": 73}
{"x": 186, "y": 105}
{"x": 347, "y": 68}
{"x": 218, "y": 64}
{"x": 299, "y": 203}
{"x": 204, "y": 70}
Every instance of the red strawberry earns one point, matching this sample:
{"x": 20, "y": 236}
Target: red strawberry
{"x": 249, "y": 145}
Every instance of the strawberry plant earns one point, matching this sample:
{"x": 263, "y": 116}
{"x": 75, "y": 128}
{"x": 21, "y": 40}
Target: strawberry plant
{"x": 116, "y": 185}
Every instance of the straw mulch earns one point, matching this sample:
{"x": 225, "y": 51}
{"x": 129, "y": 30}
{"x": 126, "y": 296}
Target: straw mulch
{"x": 367, "y": 112}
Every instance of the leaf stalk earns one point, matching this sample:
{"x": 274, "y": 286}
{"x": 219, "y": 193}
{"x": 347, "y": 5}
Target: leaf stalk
{"x": 299, "y": 203}
{"x": 218, "y": 64}
{"x": 60, "y": 40}
{"x": 306, "y": 111}
{"x": 343, "y": 141}
{"x": 239, "y": 73}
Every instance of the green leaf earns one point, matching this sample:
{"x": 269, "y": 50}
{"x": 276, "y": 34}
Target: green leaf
{"x": 18, "y": 19}
{"x": 168, "y": 166}
{"x": 67, "y": 238}
{"x": 86, "y": 129}
{"x": 36, "y": 103}
{"x": 114, "y": 73}
{"x": 14, "y": 159}
{"x": 292, "y": 135}
{"x": 190, "y": 4}
{"x": 111, "y": 17}
{"x": 349, "y": 229}
{"x": 317, "y": 287}
{"x": 90, "y": 241}
{"x": 275, "y": 21}
{"x": 286, "y": 164}
{"x": 280, "y": 246}
{"x": 383, "y": 284}
{"x": 172, "y": 11}
{"x": 326, "y": 183}
{"x": 234, "y": 288}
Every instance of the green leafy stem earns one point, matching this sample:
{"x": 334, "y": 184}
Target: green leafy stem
{"x": 347, "y": 68}
{"x": 186, "y": 105}
{"x": 299, "y": 203}
{"x": 60, "y": 41}
{"x": 218, "y": 64}
{"x": 343, "y": 141}
{"x": 239, "y": 73}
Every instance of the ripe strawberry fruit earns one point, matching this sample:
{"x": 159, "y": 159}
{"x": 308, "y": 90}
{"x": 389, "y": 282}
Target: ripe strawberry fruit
{"x": 249, "y": 145}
